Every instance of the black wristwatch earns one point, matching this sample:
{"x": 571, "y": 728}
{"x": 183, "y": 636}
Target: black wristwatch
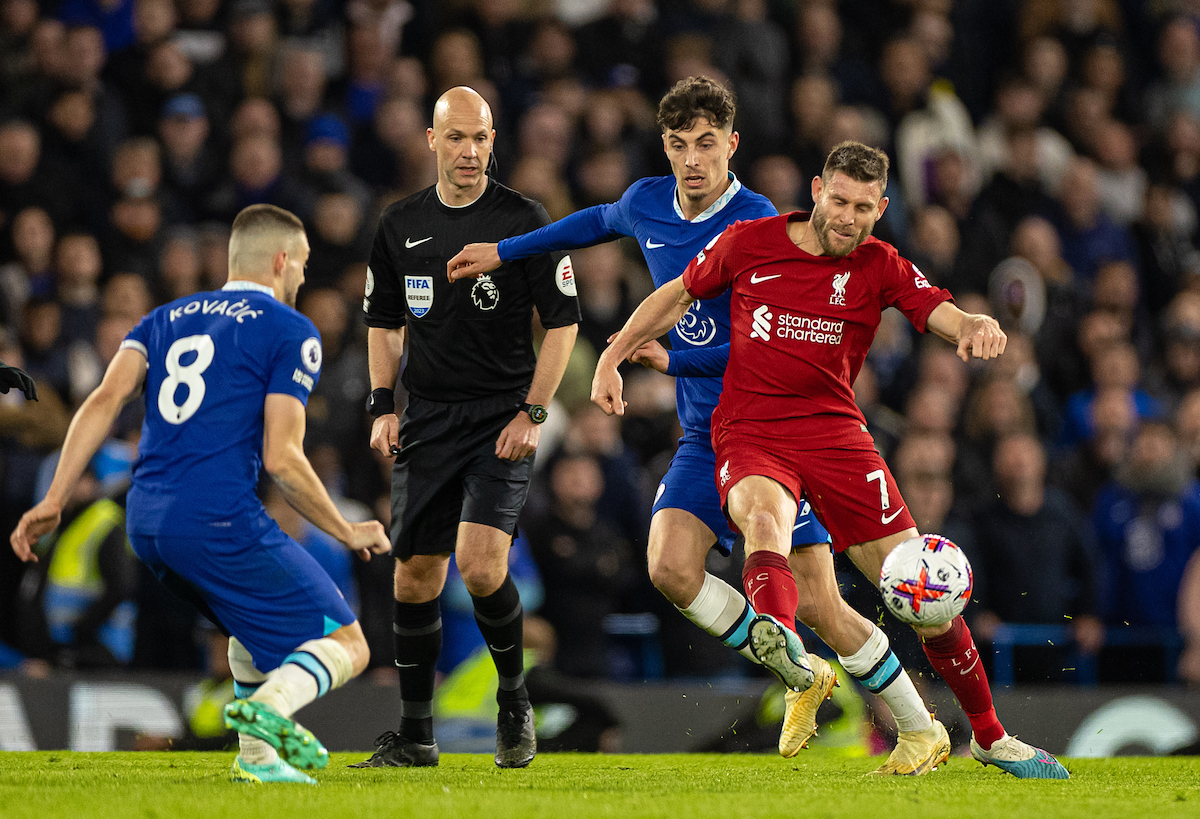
{"x": 537, "y": 413}
{"x": 381, "y": 402}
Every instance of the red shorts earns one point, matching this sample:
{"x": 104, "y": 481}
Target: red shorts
{"x": 852, "y": 491}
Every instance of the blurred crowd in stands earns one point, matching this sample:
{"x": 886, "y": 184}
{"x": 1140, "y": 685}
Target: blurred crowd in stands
{"x": 1046, "y": 169}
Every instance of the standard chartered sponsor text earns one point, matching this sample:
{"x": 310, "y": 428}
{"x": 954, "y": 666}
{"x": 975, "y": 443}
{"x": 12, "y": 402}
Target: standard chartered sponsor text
{"x": 808, "y": 328}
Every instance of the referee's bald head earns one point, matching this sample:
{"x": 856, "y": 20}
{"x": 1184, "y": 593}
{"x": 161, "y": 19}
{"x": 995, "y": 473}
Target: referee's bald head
{"x": 461, "y": 101}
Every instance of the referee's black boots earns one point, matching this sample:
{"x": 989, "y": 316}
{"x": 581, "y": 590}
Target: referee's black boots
{"x": 516, "y": 744}
{"x": 397, "y": 752}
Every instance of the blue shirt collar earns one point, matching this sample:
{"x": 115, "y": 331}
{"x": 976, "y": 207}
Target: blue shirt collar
{"x": 712, "y": 209}
{"x": 242, "y": 284}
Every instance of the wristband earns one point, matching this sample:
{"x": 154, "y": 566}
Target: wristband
{"x": 381, "y": 402}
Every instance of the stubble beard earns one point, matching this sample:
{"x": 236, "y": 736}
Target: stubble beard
{"x": 820, "y": 224}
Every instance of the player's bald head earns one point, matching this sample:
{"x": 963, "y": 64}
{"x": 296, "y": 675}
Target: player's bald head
{"x": 461, "y": 102}
{"x": 258, "y": 233}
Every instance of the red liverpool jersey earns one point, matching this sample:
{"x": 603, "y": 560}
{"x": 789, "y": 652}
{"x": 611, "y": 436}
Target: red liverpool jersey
{"x": 800, "y": 329}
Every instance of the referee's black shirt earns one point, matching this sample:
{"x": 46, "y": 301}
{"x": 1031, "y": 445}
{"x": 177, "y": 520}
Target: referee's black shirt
{"x": 472, "y": 338}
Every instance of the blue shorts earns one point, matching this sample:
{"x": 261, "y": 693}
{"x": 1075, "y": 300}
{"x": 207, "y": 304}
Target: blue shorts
{"x": 691, "y": 485}
{"x": 266, "y": 590}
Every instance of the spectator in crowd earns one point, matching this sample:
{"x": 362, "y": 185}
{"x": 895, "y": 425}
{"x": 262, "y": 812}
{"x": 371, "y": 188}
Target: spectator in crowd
{"x": 388, "y": 154}
{"x": 1036, "y": 241}
{"x": 335, "y": 413}
{"x": 340, "y": 240}
{"x": 1178, "y": 89}
{"x": 29, "y": 272}
{"x": 75, "y": 145}
{"x": 1086, "y": 467}
{"x": 1121, "y": 182}
{"x": 325, "y": 167}
{"x": 153, "y": 23}
{"x": 996, "y": 409}
{"x": 178, "y": 265}
{"x": 1148, "y": 524}
{"x": 77, "y": 275}
{"x": 1115, "y": 366}
{"x": 776, "y": 177}
{"x": 1089, "y": 237}
{"x": 814, "y": 98}
{"x": 302, "y": 86}
{"x": 257, "y": 175}
{"x": 1179, "y": 363}
{"x": 190, "y": 165}
{"x": 1167, "y": 259}
{"x": 25, "y": 180}
{"x": 624, "y": 47}
{"x": 752, "y": 51}
{"x": 1034, "y": 556}
{"x": 584, "y": 563}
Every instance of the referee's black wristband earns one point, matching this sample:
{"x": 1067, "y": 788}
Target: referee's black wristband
{"x": 381, "y": 402}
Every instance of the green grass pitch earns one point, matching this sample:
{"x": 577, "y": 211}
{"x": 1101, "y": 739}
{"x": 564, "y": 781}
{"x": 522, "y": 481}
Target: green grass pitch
{"x": 48, "y": 784}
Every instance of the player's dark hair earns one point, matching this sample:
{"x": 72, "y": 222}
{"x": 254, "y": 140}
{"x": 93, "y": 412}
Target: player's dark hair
{"x": 261, "y": 218}
{"x": 693, "y": 98}
{"x": 862, "y": 163}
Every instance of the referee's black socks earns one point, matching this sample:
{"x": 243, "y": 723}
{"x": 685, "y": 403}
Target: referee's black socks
{"x": 417, "y": 630}
{"x": 501, "y": 621}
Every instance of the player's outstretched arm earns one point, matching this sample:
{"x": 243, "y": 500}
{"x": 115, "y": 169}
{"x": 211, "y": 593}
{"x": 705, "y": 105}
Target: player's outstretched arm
{"x": 976, "y": 335}
{"x": 285, "y": 461}
{"x": 90, "y": 426}
{"x": 581, "y": 229}
{"x": 653, "y": 317}
{"x": 384, "y": 350}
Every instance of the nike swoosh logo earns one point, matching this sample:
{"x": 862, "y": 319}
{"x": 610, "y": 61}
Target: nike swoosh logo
{"x": 798, "y": 525}
{"x": 499, "y": 650}
{"x": 755, "y": 278}
{"x": 886, "y": 519}
{"x": 411, "y": 243}
{"x": 407, "y": 665}
{"x": 968, "y": 670}
{"x": 651, "y": 245}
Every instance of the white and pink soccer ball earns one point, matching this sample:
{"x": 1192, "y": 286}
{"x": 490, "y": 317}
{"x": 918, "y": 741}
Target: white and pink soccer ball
{"x": 926, "y": 581}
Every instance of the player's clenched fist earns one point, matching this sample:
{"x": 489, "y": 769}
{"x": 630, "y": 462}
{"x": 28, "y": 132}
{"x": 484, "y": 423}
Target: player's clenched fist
{"x": 385, "y": 435}
{"x": 980, "y": 336}
{"x": 607, "y": 387}
{"x": 368, "y": 538}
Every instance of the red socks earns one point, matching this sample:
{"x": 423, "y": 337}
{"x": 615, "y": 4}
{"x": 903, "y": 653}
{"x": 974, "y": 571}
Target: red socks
{"x": 770, "y": 587}
{"x": 956, "y": 658}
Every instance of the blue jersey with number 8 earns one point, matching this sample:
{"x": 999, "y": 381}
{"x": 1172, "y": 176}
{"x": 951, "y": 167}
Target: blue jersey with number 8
{"x": 212, "y": 360}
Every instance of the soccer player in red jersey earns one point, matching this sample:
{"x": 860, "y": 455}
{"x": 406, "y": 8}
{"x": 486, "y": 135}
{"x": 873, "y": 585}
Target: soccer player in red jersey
{"x": 807, "y": 294}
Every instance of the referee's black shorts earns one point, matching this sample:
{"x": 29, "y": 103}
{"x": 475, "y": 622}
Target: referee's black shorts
{"x": 447, "y": 471}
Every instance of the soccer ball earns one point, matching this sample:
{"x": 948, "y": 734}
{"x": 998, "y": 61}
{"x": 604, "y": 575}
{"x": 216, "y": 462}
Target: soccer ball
{"x": 926, "y": 581}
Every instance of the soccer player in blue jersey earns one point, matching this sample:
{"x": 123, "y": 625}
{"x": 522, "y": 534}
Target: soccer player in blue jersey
{"x": 226, "y": 376}
{"x": 673, "y": 219}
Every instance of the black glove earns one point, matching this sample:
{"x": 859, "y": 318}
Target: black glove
{"x": 13, "y": 377}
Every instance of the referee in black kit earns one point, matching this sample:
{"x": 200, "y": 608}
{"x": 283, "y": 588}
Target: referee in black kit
{"x": 477, "y": 394}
